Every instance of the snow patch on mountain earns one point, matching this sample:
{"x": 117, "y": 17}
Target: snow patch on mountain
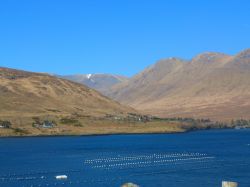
{"x": 88, "y": 76}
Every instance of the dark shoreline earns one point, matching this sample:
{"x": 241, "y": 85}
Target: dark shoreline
{"x": 113, "y": 134}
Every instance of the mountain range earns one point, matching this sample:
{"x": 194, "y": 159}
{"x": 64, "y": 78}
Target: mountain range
{"x": 99, "y": 82}
{"x": 210, "y": 85}
{"x": 41, "y": 104}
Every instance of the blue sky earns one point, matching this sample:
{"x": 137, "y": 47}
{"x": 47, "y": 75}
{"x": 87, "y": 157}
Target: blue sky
{"x": 117, "y": 36}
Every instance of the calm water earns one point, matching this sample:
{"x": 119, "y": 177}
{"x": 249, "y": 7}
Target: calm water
{"x": 200, "y": 159}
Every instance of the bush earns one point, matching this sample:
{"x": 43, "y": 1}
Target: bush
{"x": 36, "y": 121}
{"x": 20, "y": 131}
{"x": 71, "y": 121}
{"x": 78, "y": 124}
{"x": 68, "y": 120}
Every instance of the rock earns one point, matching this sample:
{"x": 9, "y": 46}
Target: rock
{"x": 129, "y": 185}
{"x": 229, "y": 184}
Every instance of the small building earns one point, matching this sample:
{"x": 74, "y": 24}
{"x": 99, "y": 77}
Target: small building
{"x": 5, "y": 124}
{"x": 48, "y": 124}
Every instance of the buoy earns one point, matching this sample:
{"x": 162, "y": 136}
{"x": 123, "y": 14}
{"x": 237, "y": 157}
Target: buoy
{"x": 60, "y": 177}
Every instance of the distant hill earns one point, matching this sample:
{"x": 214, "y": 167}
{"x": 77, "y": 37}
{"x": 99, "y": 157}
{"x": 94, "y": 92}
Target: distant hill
{"x": 211, "y": 85}
{"x": 30, "y": 94}
{"x": 99, "y": 82}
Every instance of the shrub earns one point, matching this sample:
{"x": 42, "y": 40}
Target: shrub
{"x": 20, "y": 131}
{"x": 71, "y": 121}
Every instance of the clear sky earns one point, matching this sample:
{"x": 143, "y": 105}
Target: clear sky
{"x": 117, "y": 36}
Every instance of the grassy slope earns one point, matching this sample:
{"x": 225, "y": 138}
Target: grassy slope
{"x": 30, "y": 94}
{"x": 25, "y": 95}
{"x": 211, "y": 85}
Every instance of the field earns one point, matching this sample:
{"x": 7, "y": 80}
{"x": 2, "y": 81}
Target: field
{"x": 84, "y": 125}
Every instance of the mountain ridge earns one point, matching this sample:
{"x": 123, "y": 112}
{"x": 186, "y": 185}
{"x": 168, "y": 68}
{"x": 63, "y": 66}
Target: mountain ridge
{"x": 23, "y": 91}
{"x": 213, "y": 85}
{"x": 37, "y": 104}
{"x": 98, "y": 81}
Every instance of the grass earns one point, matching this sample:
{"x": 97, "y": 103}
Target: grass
{"x": 71, "y": 125}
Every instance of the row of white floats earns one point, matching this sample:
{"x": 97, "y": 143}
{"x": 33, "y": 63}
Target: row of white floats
{"x": 58, "y": 177}
{"x": 151, "y": 163}
{"x": 147, "y": 160}
{"x": 142, "y": 157}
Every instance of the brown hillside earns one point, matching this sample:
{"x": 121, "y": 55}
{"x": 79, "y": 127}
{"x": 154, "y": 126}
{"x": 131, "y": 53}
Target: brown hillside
{"x": 30, "y": 100}
{"x": 29, "y": 94}
{"x": 211, "y": 85}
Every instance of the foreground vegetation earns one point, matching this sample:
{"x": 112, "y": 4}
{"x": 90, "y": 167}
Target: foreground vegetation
{"x": 87, "y": 125}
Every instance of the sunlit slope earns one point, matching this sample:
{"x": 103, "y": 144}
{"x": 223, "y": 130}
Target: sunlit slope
{"x": 30, "y": 94}
{"x": 211, "y": 85}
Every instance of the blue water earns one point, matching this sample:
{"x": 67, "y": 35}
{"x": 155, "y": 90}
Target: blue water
{"x": 200, "y": 159}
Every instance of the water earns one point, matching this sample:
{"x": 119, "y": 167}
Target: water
{"x": 200, "y": 159}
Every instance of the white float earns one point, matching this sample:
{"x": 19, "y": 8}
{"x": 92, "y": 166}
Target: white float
{"x": 61, "y": 177}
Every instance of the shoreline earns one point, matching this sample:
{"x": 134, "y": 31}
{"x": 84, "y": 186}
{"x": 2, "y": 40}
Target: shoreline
{"x": 113, "y": 134}
{"x": 94, "y": 134}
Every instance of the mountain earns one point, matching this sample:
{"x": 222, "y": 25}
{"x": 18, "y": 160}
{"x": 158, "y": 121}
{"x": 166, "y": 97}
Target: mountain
{"x": 211, "y": 85}
{"x": 30, "y": 94}
{"x": 99, "y": 82}
{"x": 41, "y": 104}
